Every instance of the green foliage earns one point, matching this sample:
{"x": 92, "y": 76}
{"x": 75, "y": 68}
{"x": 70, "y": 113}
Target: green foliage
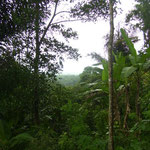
{"x": 4, "y": 134}
{"x": 138, "y": 62}
{"x": 20, "y": 141}
{"x": 141, "y": 13}
{"x": 90, "y": 74}
{"x": 74, "y": 114}
{"x": 68, "y": 80}
{"x": 129, "y": 43}
{"x": 127, "y": 71}
{"x": 44, "y": 138}
{"x": 105, "y": 71}
{"x": 15, "y": 20}
{"x": 79, "y": 136}
{"x": 10, "y": 142}
{"x": 91, "y": 10}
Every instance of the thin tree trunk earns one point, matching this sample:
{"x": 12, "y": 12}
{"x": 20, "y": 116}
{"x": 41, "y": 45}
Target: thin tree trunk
{"x": 137, "y": 99}
{"x": 110, "y": 67}
{"x": 116, "y": 111}
{"x": 36, "y": 68}
{"x": 36, "y": 61}
{"x": 125, "y": 126}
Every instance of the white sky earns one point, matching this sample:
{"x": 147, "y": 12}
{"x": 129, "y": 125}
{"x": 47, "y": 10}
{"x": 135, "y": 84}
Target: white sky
{"x": 91, "y": 39}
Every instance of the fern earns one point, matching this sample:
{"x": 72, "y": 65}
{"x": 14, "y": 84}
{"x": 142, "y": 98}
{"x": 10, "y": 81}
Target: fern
{"x": 20, "y": 141}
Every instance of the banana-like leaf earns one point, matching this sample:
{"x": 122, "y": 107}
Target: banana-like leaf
{"x": 127, "y": 71}
{"x": 147, "y": 65}
{"x": 93, "y": 91}
{"x": 116, "y": 71}
{"x": 143, "y": 58}
{"x": 132, "y": 60}
{"x": 97, "y": 64}
{"x": 105, "y": 75}
{"x": 120, "y": 87}
{"x": 129, "y": 43}
{"x": 118, "y": 66}
{"x": 105, "y": 71}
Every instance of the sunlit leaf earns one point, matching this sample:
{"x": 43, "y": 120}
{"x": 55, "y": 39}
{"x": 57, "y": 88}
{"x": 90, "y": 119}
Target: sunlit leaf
{"x": 127, "y": 71}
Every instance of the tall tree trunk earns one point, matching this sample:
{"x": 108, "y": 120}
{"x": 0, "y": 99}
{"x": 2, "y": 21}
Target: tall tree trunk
{"x": 110, "y": 77}
{"x": 36, "y": 61}
{"x": 138, "y": 113}
{"x": 36, "y": 68}
{"x": 125, "y": 126}
{"x": 116, "y": 111}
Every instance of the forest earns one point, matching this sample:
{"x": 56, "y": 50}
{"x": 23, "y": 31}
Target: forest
{"x": 106, "y": 107}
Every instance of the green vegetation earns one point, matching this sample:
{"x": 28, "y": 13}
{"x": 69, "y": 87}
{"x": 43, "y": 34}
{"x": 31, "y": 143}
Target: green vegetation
{"x": 40, "y": 111}
{"x": 68, "y": 80}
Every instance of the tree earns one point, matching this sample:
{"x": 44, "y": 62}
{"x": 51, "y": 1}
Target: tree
{"x": 68, "y": 80}
{"x": 139, "y": 63}
{"x": 38, "y": 53}
{"x": 15, "y": 16}
{"x": 141, "y": 14}
{"x": 15, "y": 91}
{"x": 103, "y": 9}
{"x": 90, "y": 74}
{"x": 91, "y": 10}
{"x": 110, "y": 76}
{"x": 36, "y": 46}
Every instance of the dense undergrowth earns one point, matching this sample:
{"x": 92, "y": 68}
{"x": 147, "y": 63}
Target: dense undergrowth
{"x": 76, "y": 117}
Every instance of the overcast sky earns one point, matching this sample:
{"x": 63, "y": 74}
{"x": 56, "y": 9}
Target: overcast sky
{"x": 91, "y": 39}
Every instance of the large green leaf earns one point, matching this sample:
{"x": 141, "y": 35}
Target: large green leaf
{"x": 129, "y": 43}
{"x": 104, "y": 75}
{"x": 97, "y": 64}
{"x": 116, "y": 71}
{"x": 127, "y": 71}
{"x": 132, "y": 60}
{"x": 146, "y": 65}
{"x": 118, "y": 66}
{"x": 105, "y": 70}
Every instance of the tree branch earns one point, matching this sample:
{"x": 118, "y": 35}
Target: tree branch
{"x": 63, "y": 21}
{"x": 62, "y": 12}
{"x": 49, "y": 24}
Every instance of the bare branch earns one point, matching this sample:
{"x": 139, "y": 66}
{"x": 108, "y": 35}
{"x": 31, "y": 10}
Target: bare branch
{"x": 64, "y": 21}
{"x": 62, "y": 12}
{"x": 49, "y": 24}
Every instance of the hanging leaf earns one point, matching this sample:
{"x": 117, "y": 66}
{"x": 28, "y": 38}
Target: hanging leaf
{"x": 127, "y": 71}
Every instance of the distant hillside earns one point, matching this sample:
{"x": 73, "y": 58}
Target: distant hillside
{"x": 68, "y": 80}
